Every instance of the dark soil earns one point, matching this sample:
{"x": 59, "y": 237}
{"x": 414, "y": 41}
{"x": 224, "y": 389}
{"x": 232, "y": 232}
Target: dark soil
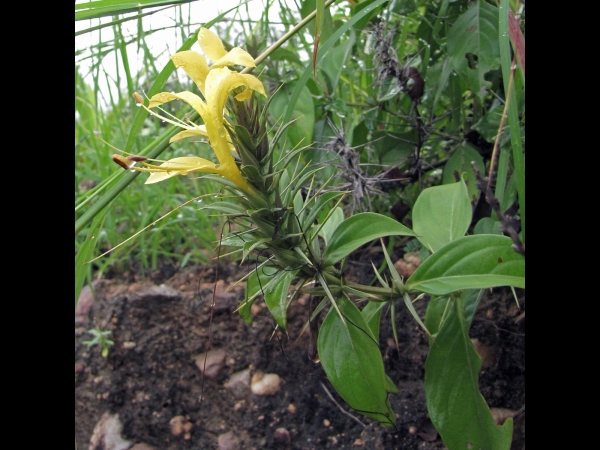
{"x": 161, "y": 325}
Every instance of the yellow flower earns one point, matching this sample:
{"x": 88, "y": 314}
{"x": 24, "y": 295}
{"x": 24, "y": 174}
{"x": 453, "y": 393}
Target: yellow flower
{"x": 215, "y": 82}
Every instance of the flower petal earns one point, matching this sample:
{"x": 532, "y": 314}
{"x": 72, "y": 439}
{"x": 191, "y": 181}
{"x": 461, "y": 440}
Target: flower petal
{"x": 181, "y": 166}
{"x": 189, "y": 97}
{"x": 194, "y": 65}
{"x": 200, "y": 131}
{"x": 211, "y": 44}
{"x": 235, "y": 56}
{"x": 253, "y": 83}
{"x": 221, "y": 81}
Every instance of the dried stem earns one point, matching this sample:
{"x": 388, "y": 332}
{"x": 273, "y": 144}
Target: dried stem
{"x": 506, "y": 221}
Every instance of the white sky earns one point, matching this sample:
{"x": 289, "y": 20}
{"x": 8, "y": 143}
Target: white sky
{"x": 162, "y": 43}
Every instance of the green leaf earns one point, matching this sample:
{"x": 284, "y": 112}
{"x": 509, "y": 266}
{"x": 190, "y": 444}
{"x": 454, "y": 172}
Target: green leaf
{"x": 390, "y": 386}
{"x": 473, "y": 45}
{"x": 459, "y": 165}
{"x": 437, "y": 309}
{"x": 455, "y": 405}
{"x": 332, "y": 223}
{"x": 319, "y": 205}
{"x": 250, "y": 245}
{"x": 358, "y": 230}
{"x": 276, "y": 296}
{"x": 352, "y": 361}
{"x": 442, "y": 214}
{"x": 394, "y": 148}
{"x": 304, "y": 114}
{"x": 487, "y": 225}
{"x": 471, "y": 262}
{"x": 258, "y": 280}
{"x": 372, "y": 315}
{"x": 102, "y": 8}
{"x": 360, "y": 24}
{"x": 323, "y": 49}
{"x": 335, "y": 62}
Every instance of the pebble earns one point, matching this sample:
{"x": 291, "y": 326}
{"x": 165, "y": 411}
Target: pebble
{"x": 228, "y": 441}
{"x": 239, "y": 384}
{"x": 282, "y": 436}
{"x": 142, "y": 446}
{"x": 84, "y": 303}
{"x": 265, "y": 383}
{"x": 107, "y": 434}
{"x": 214, "y": 362}
{"x": 180, "y": 425}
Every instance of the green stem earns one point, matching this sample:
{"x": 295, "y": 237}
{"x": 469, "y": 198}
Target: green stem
{"x": 285, "y": 37}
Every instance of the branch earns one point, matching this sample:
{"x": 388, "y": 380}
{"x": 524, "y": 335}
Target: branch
{"x": 506, "y": 222}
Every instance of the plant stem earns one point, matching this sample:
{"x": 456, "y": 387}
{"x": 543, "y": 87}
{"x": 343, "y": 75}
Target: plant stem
{"x": 285, "y": 37}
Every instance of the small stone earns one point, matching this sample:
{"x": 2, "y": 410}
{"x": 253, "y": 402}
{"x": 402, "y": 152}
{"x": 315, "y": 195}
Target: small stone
{"x": 180, "y": 425}
{"x": 79, "y": 367}
{"x": 239, "y": 406}
{"x": 326, "y": 422}
{"x": 291, "y": 408}
{"x": 265, "y": 384}
{"x": 128, "y": 345}
{"x": 358, "y": 442}
{"x": 84, "y": 303}
{"x": 142, "y": 446}
{"x": 214, "y": 362}
{"x": 228, "y": 441}
{"x": 239, "y": 384}
{"x": 282, "y": 436}
{"x": 107, "y": 434}
{"x": 408, "y": 264}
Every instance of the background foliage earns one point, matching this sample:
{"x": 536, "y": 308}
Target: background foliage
{"x": 401, "y": 96}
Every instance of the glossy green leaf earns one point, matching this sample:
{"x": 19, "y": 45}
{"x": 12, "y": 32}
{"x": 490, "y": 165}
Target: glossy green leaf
{"x": 332, "y": 224}
{"x": 372, "y": 315}
{"x": 473, "y": 45}
{"x": 258, "y": 280}
{"x": 352, "y": 361}
{"x": 437, "y": 309}
{"x": 319, "y": 205}
{"x": 487, "y": 225}
{"x": 459, "y": 164}
{"x": 394, "y": 148}
{"x": 226, "y": 207}
{"x": 442, "y": 214}
{"x": 358, "y": 230}
{"x": 455, "y": 405}
{"x": 276, "y": 296}
{"x": 471, "y": 262}
{"x": 335, "y": 62}
{"x": 360, "y": 6}
{"x": 250, "y": 245}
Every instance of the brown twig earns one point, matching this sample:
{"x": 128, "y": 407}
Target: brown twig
{"x": 505, "y": 221}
